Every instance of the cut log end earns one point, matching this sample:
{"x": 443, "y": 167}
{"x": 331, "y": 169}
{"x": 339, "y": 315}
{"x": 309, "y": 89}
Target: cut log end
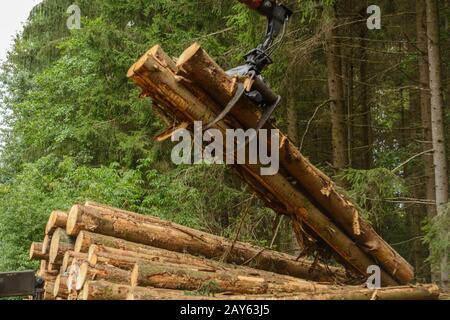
{"x": 92, "y": 255}
{"x": 57, "y": 219}
{"x": 65, "y": 262}
{"x": 188, "y": 54}
{"x": 82, "y": 276}
{"x": 130, "y": 72}
{"x": 61, "y": 290}
{"x": 70, "y": 257}
{"x": 135, "y": 275}
{"x": 36, "y": 252}
{"x": 46, "y": 244}
{"x": 49, "y": 290}
{"x": 56, "y": 286}
{"x": 72, "y": 227}
{"x": 59, "y": 245}
{"x": 84, "y": 293}
{"x": 54, "y": 247}
{"x": 79, "y": 243}
{"x": 139, "y": 65}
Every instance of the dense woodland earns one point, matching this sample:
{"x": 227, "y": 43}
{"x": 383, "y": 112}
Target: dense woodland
{"x": 359, "y": 103}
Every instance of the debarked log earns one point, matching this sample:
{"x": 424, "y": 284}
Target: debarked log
{"x": 101, "y": 272}
{"x": 422, "y": 292}
{"x": 173, "y": 237}
{"x": 184, "y": 277}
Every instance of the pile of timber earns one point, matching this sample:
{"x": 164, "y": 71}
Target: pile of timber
{"x": 96, "y": 252}
{"x": 195, "y": 88}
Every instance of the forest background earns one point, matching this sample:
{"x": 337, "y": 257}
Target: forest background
{"x": 359, "y": 103}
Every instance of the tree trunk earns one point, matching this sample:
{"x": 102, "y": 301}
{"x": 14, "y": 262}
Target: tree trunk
{"x": 292, "y": 116}
{"x": 437, "y": 119}
{"x": 184, "y": 277}
{"x": 336, "y": 92}
{"x": 366, "y": 111}
{"x": 425, "y": 111}
{"x": 425, "y": 103}
{"x": 198, "y": 67}
{"x": 173, "y": 237}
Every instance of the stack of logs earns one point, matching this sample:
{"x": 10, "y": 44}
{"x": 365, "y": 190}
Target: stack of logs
{"x": 96, "y": 252}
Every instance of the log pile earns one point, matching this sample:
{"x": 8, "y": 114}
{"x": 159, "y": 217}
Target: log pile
{"x": 96, "y": 252}
{"x": 195, "y": 88}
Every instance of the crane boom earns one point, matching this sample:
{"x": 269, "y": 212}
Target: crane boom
{"x": 258, "y": 59}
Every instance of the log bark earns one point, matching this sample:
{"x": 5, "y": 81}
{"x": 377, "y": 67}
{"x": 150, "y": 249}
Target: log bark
{"x": 185, "y": 277}
{"x": 60, "y": 244}
{"x": 102, "y": 272}
{"x": 103, "y": 290}
{"x": 173, "y": 237}
{"x": 60, "y": 289}
{"x": 57, "y": 219}
{"x": 167, "y": 86}
{"x": 197, "y": 66}
{"x": 36, "y": 252}
{"x": 428, "y": 292}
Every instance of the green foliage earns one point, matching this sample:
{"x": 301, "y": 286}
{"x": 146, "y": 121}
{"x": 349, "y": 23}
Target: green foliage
{"x": 51, "y": 183}
{"x": 437, "y": 236}
{"x": 377, "y": 192}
